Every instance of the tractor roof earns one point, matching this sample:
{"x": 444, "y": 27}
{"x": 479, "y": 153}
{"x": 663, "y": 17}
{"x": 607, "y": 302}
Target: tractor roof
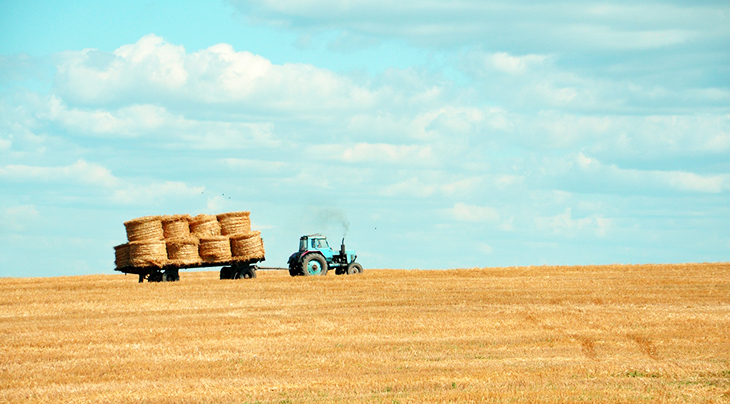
{"x": 317, "y": 235}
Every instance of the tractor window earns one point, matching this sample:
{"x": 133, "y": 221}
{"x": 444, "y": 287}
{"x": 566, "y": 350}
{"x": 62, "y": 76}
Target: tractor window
{"x": 319, "y": 243}
{"x": 303, "y": 244}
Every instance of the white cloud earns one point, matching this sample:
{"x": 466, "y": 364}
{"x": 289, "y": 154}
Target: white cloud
{"x": 412, "y": 187}
{"x": 474, "y": 214}
{"x": 378, "y": 153}
{"x": 564, "y": 224}
{"x": 485, "y": 248}
{"x": 152, "y": 120}
{"x": 137, "y": 193}
{"x": 507, "y": 63}
{"x": 263, "y": 166}
{"x": 588, "y": 173}
{"x": 692, "y": 182}
{"x": 5, "y": 144}
{"x": 17, "y": 218}
{"x": 153, "y": 71}
{"x": 79, "y": 172}
{"x": 133, "y": 120}
{"x": 496, "y": 24}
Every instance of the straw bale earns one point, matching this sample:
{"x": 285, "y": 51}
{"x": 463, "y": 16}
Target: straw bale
{"x": 121, "y": 255}
{"x": 183, "y": 251}
{"x": 205, "y": 226}
{"x": 248, "y": 246}
{"x": 235, "y": 223}
{"x": 215, "y": 248}
{"x": 148, "y": 253}
{"x": 145, "y": 228}
{"x": 176, "y": 227}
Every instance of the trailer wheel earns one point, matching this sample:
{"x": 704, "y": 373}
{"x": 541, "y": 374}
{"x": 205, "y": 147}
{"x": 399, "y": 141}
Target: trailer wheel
{"x": 155, "y": 276}
{"x": 314, "y": 264}
{"x": 354, "y": 269}
{"x": 227, "y": 273}
{"x": 171, "y": 275}
{"x": 246, "y": 273}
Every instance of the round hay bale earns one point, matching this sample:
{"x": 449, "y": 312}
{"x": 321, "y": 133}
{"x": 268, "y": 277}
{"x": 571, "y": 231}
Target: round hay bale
{"x": 247, "y": 247}
{"x": 145, "y": 228}
{"x": 183, "y": 251}
{"x": 148, "y": 253}
{"x": 121, "y": 255}
{"x": 202, "y": 226}
{"x": 235, "y": 223}
{"x": 176, "y": 227}
{"x": 215, "y": 249}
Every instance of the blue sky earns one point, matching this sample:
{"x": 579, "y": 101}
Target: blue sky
{"x": 435, "y": 134}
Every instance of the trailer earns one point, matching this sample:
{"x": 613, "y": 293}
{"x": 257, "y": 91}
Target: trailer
{"x": 231, "y": 269}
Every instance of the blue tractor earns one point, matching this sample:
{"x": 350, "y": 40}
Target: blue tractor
{"x": 316, "y": 257}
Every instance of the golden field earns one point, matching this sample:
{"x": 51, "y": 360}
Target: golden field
{"x": 649, "y": 333}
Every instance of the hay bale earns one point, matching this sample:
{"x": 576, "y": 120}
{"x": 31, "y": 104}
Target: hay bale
{"x": 215, "y": 248}
{"x": 202, "y": 226}
{"x": 148, "y": 253}
{"x": 235, "y": 223}
{"x": 145, "y": 228}
{"x": 121, "y": 255}
{"x": 183, "y": 251}
{"x": 247, "y": 247}
{"x": 176, "y": 227}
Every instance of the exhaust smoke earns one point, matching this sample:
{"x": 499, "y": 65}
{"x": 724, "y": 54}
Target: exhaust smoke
{"x": 329, "y": 218}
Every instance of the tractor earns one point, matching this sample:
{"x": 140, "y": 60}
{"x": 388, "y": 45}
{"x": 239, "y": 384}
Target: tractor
{"x": 316, "y": 257}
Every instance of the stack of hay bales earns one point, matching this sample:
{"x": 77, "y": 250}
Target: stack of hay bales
{"x": 183, "y": 240}
{"x": 245, "y": 244}
{"x": 146, "y": 245}
{"x": 182, "y": 246}
{"x": 248, "y": 246}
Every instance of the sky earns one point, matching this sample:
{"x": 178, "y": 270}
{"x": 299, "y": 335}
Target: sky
{"x": 432, "y": 134}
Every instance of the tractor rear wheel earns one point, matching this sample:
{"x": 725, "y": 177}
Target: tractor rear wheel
{"x": 314, "y": 264}
{"x": 354, "y": 269}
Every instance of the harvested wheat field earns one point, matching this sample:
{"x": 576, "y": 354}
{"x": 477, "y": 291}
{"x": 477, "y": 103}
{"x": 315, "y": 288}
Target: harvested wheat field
{"x": 632, "y": 334}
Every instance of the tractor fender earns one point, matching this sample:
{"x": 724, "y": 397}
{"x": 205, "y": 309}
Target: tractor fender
{"x": 307, "y": 253}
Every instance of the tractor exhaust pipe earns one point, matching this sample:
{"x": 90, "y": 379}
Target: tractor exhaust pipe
{"x": 342, "y": 247}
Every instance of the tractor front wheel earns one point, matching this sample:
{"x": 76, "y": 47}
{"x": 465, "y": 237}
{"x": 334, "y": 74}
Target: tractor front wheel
{"x": 354, "y": 269}
{"x": 314, "y": 264}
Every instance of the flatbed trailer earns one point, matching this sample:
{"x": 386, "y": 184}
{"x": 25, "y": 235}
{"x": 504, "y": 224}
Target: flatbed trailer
{"x": 231, "y": 269}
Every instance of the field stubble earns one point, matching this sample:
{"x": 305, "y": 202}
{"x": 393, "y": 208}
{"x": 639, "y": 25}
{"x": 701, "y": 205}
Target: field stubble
{"x": 657, "y": 333}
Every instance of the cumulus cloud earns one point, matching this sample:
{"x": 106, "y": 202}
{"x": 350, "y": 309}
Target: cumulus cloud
{"x": 475, "y": 214}
{"x": 5, "y": 144}
{"x": 81, "y": 172}
{"x": 407, "y": 155}
{"x": 565, "y": 225}
{"x": 588, "y": 174}
{"x": 17, "y": 218}
{"x": 510, "y": 64}
{"x": 153, "y": 71}
{"x": 133, "y": 193}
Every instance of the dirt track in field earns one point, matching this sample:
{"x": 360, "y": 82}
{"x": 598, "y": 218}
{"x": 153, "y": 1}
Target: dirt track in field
{"x": 653, "y": 333}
